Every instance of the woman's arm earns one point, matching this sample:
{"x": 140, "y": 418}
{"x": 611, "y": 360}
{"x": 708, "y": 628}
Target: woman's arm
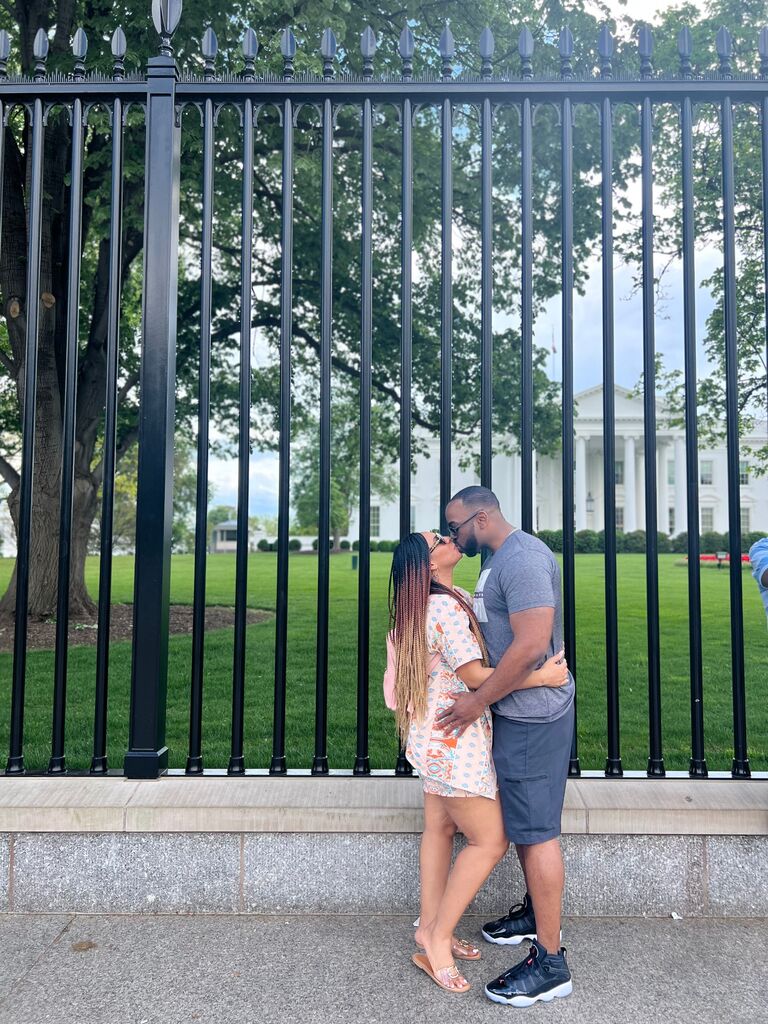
{"x": 554, "y": 672}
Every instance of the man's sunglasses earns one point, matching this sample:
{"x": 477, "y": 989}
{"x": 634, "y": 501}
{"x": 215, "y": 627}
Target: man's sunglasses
{"x": 454, "y": 530}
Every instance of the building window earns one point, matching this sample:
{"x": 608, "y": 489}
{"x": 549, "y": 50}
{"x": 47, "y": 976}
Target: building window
{"x": 745, "y": 525}
{"x": 618, "y": 473}
{"x": 743, "y": 473}
{"x": 413, "y": 519}
{"x": 230, "y": 535}
{"x": 619, "y": 517}
{"x": 707, "y": 520}
{"x": 671, "y": 473}
{"x": 671, "y": 518}
{"x": 705, "y": 473}
{"x": 375, "y": 520}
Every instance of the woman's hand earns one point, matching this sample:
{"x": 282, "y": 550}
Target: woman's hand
{"x": 554, "y": 672}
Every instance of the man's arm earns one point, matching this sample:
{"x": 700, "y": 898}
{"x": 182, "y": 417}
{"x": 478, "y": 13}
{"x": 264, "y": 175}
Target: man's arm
{"x": 532, "y": 629}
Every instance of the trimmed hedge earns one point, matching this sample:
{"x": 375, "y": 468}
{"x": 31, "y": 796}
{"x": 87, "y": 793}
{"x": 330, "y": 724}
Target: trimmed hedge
{"x": 294, "y": 544}
{"x": 344, "y": 545}
{"x": 263, "y": 544}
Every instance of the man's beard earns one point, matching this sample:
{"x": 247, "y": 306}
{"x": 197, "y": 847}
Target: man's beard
{"x": 470, "y": 548}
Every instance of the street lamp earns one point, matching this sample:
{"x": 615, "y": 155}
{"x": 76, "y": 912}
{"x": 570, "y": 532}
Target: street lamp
{"x": 590, "y": 504}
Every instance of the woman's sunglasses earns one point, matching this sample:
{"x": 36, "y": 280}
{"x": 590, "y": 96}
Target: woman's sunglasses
{"x": 437, "y": 541}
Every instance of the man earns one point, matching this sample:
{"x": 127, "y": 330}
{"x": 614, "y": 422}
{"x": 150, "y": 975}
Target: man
{"x": 518, "y": 604}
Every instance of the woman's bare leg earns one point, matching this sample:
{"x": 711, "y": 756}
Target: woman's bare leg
{"x": 480, "y": 820}
{"x": 434, "y": 859}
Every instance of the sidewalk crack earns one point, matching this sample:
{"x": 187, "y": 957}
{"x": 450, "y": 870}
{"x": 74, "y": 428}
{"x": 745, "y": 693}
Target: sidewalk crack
{"x": 19, "y": 981}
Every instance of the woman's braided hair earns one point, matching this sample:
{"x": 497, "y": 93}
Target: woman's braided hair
{"x": 410, "y": 585}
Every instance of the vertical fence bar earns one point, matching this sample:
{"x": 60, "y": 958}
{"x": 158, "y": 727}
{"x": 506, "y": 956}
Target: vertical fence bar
{"x": 486, "y": 296}
{"x": 320, "y": 762}
{"x": 740, "y": 767}
{"x": 446, "y": 308}
{"x": 569, "y": 565}
{"x": 698, "y": 764}
{"x": 526, "y": 327}
{"x": 613, "y": 765}
{"x": 99, "y": 758}
{"x": 362, "y": 762}
{"x": 763, "y": 49}
{"x": 57, "y": 763}
{"x": 613, "y": 760}
{"x": 655, "y": 759}
{"x": 402, "y": 766}
{"x": 278, "y": 764}
{"x": 147, "y": 753}
{"x": 15, "y": 765}
{"x": 195, "y": 756}
{"x": 406, "y": 318}
{"x": 237, "y": 759}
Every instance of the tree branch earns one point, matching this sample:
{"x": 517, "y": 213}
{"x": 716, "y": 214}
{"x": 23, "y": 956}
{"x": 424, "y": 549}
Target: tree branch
{"x": 8, "y": 473}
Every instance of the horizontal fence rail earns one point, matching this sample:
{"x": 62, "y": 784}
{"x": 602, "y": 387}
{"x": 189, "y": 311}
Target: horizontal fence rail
{"x": 162, "y": 98}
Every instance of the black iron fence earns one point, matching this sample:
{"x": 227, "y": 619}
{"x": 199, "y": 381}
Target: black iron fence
{"x": 164, "y": 94}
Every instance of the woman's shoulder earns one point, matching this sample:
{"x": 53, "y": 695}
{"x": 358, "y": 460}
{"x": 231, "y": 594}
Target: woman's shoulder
{"x": 443, "y": 606}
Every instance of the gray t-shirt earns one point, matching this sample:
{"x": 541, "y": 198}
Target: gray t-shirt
{"x": 522, "y": 574}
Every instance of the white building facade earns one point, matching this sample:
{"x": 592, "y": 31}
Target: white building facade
{"x": 588, "y": 482}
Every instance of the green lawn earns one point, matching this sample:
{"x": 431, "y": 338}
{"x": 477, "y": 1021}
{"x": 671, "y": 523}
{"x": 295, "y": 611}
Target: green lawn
{"x": 342, "y": 667}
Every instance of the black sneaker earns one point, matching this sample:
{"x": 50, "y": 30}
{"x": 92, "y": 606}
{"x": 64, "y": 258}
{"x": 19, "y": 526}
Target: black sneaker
{"x": 541, "y": 976}
{"x": 519, "y": 924}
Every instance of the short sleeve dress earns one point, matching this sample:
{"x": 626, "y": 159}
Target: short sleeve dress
{"x": 451, "y": 765}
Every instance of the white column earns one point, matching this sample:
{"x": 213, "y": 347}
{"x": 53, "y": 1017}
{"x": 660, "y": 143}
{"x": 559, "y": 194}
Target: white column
{"x": 581, "y": 483}
{"x": 517, "y": 477}
{"x": 630, "y": 491}
{"x": 681, "y": 502}
{"x": 662, "y": 486}
{"x": 534, "y": 518}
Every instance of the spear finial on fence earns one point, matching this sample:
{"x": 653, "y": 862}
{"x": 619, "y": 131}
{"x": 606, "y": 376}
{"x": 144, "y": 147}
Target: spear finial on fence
{"x": 566, "y": 53}
{"x": 288, "y": 50}
{"x": 685, "y": 50}
{"x": 79, "y": 50}
{"x": 40, "y": 53}
{"x": 525, "y": 49}
{"x": 250, "y": 49}
{"x": 645, "y": 48}
{"x": 762, "y": 49}
{"x": 119, "y": 47}
{"x": 368, "y": 50}
{"x": 166, "y": 14}
{"x": 209, "y": 47}
{"x": 406, "y": 48}
{"x": 5, "y": 52}
{"x": 605, "y": 52}
{"x": 328, "y": 52}
{"x": 447, "y": 52}
{"x": 487, "y": 46}
{"x": 724, "y": 46}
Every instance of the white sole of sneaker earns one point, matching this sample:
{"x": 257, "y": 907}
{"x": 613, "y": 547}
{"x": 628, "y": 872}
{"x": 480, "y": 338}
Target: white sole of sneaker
{"x": 513, "y": 940}
{"x": 522, "y": 1001}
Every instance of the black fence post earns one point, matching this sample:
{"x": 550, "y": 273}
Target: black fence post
{"x": 147, "y": 755}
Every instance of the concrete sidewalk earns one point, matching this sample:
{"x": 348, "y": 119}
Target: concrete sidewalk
{"x": 323, "y": 970}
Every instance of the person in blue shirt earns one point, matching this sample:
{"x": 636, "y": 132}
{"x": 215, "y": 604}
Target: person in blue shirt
{"x": 758, "y": 556}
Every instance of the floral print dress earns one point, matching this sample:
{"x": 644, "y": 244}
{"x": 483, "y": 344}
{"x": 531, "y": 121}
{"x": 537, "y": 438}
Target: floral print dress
{"x": 451, "y": 765}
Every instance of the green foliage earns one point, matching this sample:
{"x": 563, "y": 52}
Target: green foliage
{"x": 587, "y": 541}
{"x": 263, "y": 544}
{"x": 345, "y": 545}
{"x": 552, "y": 538}
{"x": 294, "y": 544}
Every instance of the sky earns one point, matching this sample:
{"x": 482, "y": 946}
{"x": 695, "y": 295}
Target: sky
{"x": 587, "y": 337}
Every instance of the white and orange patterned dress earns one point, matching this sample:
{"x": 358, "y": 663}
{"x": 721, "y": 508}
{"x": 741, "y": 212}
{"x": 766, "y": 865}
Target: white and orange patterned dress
{"x": 451, "y": 765}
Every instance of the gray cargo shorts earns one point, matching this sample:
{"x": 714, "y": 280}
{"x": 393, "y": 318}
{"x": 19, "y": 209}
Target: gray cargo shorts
{"x": 531, "y": 760}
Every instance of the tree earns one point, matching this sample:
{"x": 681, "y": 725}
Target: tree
{"x": 60, "y": 19}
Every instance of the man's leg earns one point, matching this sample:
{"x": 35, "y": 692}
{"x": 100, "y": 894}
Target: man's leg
{"x": 545, "y": 878}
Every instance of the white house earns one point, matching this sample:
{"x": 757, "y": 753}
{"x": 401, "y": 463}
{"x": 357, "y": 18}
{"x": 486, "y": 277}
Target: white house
{"x": 589, "y": 510}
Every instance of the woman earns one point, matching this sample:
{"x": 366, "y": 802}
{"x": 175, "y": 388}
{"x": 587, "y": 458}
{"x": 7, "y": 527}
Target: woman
{"x": 437, "y": 650}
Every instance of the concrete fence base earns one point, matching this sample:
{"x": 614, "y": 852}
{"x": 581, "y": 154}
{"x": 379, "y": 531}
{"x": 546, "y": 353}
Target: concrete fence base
{"x": 345, "y": 845}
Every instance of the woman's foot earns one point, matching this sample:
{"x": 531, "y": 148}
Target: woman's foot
{"x": 461, "y": 949}
{"x": 440, "y": 955}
